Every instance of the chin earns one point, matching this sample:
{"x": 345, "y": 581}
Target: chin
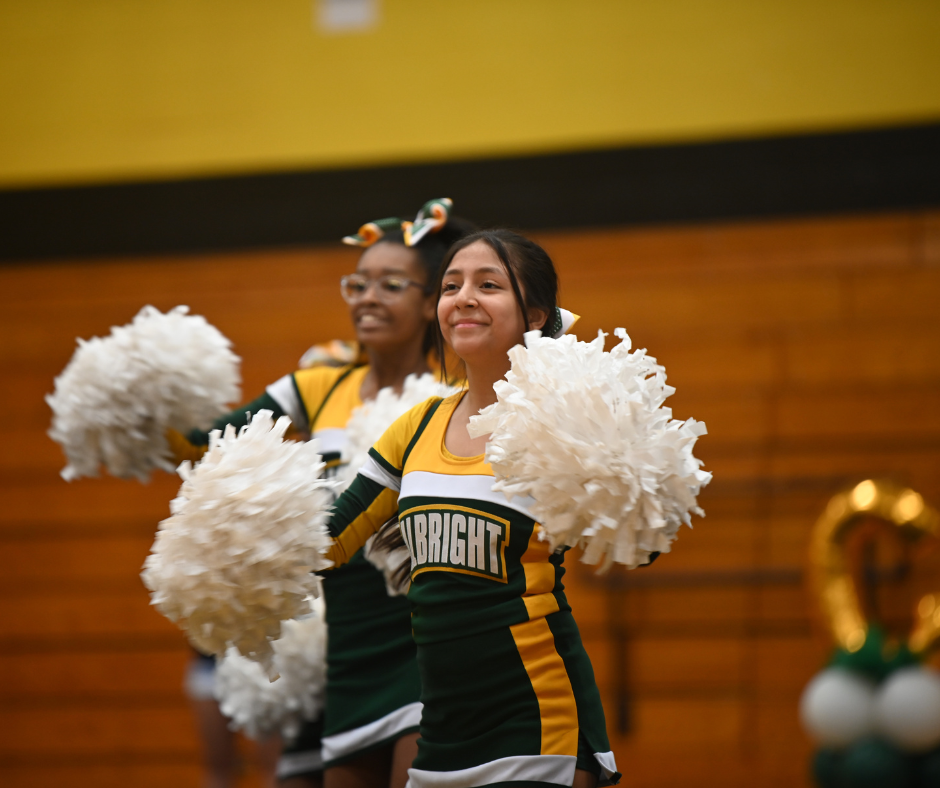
{"x": 470, "y": 351}
{"x": 373, "y": 335}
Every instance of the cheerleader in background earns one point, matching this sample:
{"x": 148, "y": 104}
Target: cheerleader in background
{"x": 508, "y": 690}
{"x": 372, "y": 711}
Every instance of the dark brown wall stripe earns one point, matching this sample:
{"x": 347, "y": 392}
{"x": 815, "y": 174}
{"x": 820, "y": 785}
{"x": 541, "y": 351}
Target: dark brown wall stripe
{"x": 884, "y": 169}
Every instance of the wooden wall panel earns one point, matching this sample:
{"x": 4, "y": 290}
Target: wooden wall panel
{"x": 139, "y": 774}
{"x": 811, "y": 348}
{"x": 97, "y": 674}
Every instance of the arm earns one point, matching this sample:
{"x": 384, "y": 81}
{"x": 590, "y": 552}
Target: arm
{"x": 196, "y": 442}
{"x": 281, "y": 398}
{"x": 372, "y": 498}
{"x": 364, "y": 507}
{"x": 238, "y": 418}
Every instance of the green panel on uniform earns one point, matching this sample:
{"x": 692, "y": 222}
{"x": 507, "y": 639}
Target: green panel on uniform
{"x": 475, "y": 710}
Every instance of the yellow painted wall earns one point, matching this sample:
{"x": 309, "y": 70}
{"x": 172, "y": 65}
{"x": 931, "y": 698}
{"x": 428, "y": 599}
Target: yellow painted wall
{"x": 95, "y": 90}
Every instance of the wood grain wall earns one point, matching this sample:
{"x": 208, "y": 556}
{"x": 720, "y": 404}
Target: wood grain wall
{"x": 811, "y": 348}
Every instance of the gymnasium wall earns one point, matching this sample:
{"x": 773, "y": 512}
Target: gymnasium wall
{"x": 115, "y": 90}
{"x": 751, "y": 189}
{"x": 810, "y": 347}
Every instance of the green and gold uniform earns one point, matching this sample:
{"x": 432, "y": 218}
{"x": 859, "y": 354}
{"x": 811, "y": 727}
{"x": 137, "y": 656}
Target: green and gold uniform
{"x": 508, "y": 690}
{"x": 373, "y": 685}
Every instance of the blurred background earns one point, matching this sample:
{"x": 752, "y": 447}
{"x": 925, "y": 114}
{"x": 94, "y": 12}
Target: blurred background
{"x": 751, "y": 189}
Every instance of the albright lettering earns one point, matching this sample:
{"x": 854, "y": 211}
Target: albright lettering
{"x": 456, "y": 539}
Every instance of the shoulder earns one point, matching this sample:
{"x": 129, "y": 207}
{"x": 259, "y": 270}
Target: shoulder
{"x": 453, "y": 399}
{"x": 321, "y": 376}
{"x": 315, "y": 383}
{"x": 394, "y": 442}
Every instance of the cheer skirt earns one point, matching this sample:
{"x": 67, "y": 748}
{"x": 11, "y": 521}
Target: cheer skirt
{"x": 514, "y": 705}
{"x": 372, "y": 684}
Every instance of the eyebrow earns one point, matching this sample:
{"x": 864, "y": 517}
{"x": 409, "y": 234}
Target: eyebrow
{"x": 386, "y": 271}
{"x": 489, "y": 269}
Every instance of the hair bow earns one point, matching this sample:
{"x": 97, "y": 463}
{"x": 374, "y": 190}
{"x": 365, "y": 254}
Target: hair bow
{"x": 562, "y": 323}
{"x": 431, "y": 218}
{"x": 370, "y": 232}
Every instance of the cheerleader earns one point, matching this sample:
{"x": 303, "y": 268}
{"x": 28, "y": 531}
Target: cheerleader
{"x": 508, "y": 690}
{"x": 372, "y": 708}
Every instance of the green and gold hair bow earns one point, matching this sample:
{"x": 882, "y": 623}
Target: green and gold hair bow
{"x": 370, "y": 232}
{"x": 431, "y": 218}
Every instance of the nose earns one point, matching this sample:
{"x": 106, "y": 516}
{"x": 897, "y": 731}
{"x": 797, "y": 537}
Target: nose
{"x": 466, "y": 296}
{"x": 371, "y": 294}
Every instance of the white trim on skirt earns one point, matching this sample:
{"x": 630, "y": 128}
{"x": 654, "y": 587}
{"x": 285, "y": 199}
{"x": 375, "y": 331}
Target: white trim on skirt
{"x": 291, "y": 764}
{"x": 555, "y": 769}
{"x": 341, "y": 745}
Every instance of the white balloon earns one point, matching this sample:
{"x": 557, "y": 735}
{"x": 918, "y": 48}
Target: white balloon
{"x": 837, "y": 707}
{"x": 907, "y": 709}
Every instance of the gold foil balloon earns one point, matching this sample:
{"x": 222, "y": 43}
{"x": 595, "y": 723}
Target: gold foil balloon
{"x": 830, "y": 574}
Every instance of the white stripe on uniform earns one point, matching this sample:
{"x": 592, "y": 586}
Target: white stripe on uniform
{"x": 372, "y": 470}
{"x": 330, "y": 440}
{"x": 284, "y": 393}
{"x": 426, "y": 484}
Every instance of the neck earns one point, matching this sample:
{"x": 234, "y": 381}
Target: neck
{"x": 390, "y": 368}
{"x": 480, "y": 381}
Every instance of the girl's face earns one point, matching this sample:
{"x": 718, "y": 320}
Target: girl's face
{"x": 479, "y": 316}
{"x": 386, "y": 319}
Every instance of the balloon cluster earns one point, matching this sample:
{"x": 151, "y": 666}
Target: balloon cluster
{"x": 875, "y": 710}
{"x": 875, "y": 714}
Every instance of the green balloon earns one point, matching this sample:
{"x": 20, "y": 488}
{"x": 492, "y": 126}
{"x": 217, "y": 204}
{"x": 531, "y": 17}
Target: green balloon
{"x": 826, "y": 764}
{"x": 873, "y": 763}
{"x": 928, "y": 771}
{"x": 877, "y": 658}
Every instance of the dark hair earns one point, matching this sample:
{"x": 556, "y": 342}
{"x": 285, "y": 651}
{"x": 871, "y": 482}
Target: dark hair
{"x": 431, "y": 252}
{"x": 529, "y": 269}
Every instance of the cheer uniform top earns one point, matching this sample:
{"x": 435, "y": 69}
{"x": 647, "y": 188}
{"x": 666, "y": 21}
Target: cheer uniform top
{"x": 372, "y": 685}
{"x": 508, "y": 689}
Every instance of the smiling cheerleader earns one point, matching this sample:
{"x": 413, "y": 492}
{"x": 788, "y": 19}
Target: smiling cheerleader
{"x": 508, "y": 689}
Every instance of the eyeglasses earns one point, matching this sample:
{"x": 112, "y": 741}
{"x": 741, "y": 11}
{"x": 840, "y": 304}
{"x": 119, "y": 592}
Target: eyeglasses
{"x": 387, "y": 288}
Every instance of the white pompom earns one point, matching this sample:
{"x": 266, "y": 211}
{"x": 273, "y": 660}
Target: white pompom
{"x": 259, "y": 706}
{"x": 366, "y": 425}
{"x": 837, "y": 707}
{"x": 907, "y": 709}
{"x": 248, "y": 526}
{"x": 585, "y": 434}
{"x": 119, "y": 394}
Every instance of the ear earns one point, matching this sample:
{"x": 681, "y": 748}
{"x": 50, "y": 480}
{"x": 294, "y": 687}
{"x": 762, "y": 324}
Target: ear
{"x": 537, "y": 319}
